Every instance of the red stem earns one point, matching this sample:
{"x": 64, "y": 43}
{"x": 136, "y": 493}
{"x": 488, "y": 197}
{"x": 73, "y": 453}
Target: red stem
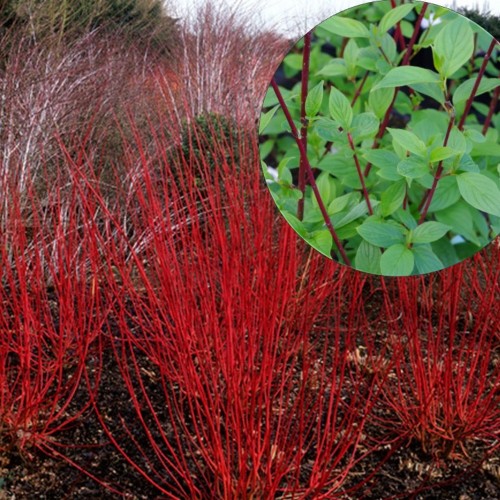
{"x": 357, "y": 93}
{"x": 437, "y": 176}
{"x": 416, "y": 29}
{"x": 303, "y": 131}
{"x": 381, "y": 130}
{"x": 405, "y": 200}
{"x": 398, "y": 35}
{"x": 359, "y": 89}
{"x": 309, "y": 171}
{"x": 342, "y": 47}
{"x": 493, "y": 106}
{"x": 360, "y": 174}
{"x": 424, "y": 199}
{"x": 476, "y": 83}
{"x": 405, "y": 62}
{"x": 329, "y": 144}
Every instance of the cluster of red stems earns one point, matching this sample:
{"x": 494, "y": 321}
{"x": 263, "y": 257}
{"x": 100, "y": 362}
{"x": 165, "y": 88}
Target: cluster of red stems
{"x": 275, "y": 371}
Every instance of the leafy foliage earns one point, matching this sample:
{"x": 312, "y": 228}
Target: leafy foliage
{"x": 405, "y": 156}
{"x": 207, "y": 141}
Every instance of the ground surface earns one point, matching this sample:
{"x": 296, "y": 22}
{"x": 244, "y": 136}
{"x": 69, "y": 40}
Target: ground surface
{"x": 38, "y": 476}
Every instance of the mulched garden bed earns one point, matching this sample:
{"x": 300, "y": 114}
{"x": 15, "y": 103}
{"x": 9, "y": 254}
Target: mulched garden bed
{"x": 34, "y": 475}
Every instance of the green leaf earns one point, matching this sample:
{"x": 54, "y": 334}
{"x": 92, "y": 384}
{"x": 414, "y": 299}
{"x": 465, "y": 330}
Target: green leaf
{"x": 392, "y": 198}
{"x": 426, "y": 261}
{"x": 406, "y": 29}
{"x": 429, "y": 232}
{"x": 388, "y": 45}
{"x": 322, "y": 241}
{"x": 345, "y": 27}
{"x": 290, "y": 193}
{"x": 364, "y": 125}
{"x": 327, "y": 129}
{"x": 266, "y": 118}
{"x": 368, "y": 57}
{"x": 442, "y": 153}
{"x": 432, "y": 90}
{"x": 467, "y": 164}
{"x": 342, "y": 168}
{"x": 336, "y": 67}
{"x": 446, "y": 193}
{"x": 386, "y": 161}
{"x": 465, "y": 250}
{"x": 285, "y": 176}
{"x": 495, "y": 226}
{"x": 463, "y": 91}
{"x": 389, "y": 174}
{"x": 458, "y": 217}
{"x": 474, "y": 135}
{"x": 296, "y": 224}
{"x": 339, "y": 204}
{"x": 407, "y": 75}
{"x": 397, "y": 260}
{"x": 381, "y": 234}
{"x": 480, "y": 191}
{"x": 445, "y": 251}
{"x": 392, "y": 17}
{"x": 453, "y": 46}
{"x": 457, "y": 141}
{"x": 381, "y": 158}
{"x": 379, "y": 101}
{"x": 357, "y": 211}
{"x": 486, "y": 148}
{"x": 281, "y": 167}
{"x": 400, "y": 150}
{"x": 413, "y": 167}
{"x": 405, "y": 217}
{"x": 314, "y": 100}
{"x": 265, "y": 148}
{"x": 367, "y": 258}
{"x": 351, "y": 52}
{"x": 325, "y": 188}
{"x": 480, "y": 223}
{"x": 408, "y": 141}
{"x": 340, "y": 108}
{"x": 293, "y": 61}
{"x": 427, "y": 181}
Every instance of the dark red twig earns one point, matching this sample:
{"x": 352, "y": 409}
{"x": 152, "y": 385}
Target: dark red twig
{"x": 309, "y": 171}
{"x": 493, "y": 106}
{"x": 359, "y": 89}
{"x": 360, "y": 174}
{"x": 480, "y": 74}
{"x": 357, "y": 93}
{"x": 303, "y": 120}
{"x": 381, "y": 130}
{"x": 430, "y": 194}
{"x": 398, "y": 35}
{"x": 405, "y": 61}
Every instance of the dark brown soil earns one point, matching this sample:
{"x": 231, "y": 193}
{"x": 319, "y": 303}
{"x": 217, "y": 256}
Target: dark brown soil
{"x": 407, "y": 474}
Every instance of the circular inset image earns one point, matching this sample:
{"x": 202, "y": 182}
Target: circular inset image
{"x": 379, "y": 138}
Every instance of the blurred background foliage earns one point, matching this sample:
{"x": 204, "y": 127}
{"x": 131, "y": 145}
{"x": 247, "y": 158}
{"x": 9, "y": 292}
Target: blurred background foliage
{"x": 143, "y": 22}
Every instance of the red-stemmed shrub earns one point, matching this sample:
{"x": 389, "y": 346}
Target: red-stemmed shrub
{"x": 235, "y": 389}
{"x": 443, "y": 388}
{"x": 51, "y": 314}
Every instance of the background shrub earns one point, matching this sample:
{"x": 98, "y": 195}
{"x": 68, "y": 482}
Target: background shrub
{"x": 210, "y": 138}
{"x": 140, "y": 22}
